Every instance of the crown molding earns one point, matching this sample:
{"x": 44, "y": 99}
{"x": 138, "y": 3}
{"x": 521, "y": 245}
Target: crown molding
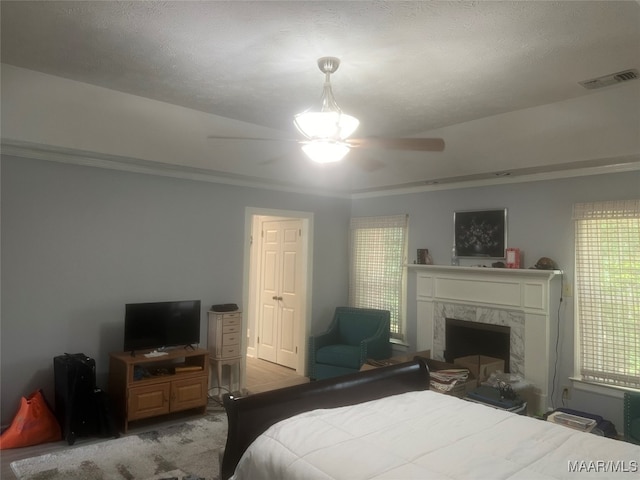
{"x": 136, "y": 165}
{"x": 580, "y": 169}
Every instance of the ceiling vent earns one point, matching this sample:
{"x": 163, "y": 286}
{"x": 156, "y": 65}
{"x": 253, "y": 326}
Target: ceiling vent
{"x": 611, "y": 79}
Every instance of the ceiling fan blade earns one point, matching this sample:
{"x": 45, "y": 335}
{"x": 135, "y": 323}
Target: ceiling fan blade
{"x": 415, "y": 144}
{"x": 264, "y": 139}
{"x": 276, "y": 160}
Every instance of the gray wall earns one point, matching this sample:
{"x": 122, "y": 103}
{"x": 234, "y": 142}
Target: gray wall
{"x": 80, "y": 242}
{"x": 539, "y": 223}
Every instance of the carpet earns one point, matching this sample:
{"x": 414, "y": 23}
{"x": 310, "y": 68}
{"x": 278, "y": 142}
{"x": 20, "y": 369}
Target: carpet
{"x": 191, "y": 449}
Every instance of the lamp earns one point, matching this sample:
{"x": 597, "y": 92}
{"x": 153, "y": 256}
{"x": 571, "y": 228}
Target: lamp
{"x": 325, "y": 151}
{"x": 328, "y": 128}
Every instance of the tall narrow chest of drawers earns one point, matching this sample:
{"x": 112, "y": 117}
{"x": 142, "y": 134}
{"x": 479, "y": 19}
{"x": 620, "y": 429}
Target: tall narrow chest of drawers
{"x": 225, "y": 348}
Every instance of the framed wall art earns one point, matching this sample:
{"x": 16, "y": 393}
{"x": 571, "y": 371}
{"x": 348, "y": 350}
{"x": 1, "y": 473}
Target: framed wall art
{"x": 480, "y": 233}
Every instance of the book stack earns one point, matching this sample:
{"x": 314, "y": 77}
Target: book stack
{"x": 572, "y": 421}
{"x": 446, "y": 380}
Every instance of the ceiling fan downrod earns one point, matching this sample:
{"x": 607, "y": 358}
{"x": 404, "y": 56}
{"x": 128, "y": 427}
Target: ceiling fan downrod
{"x": 328, "y": 65}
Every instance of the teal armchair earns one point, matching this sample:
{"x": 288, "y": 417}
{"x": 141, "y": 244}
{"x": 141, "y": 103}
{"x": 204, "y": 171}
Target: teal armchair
{"x": 632, "y": 417}
{"x": 355, "y": 334}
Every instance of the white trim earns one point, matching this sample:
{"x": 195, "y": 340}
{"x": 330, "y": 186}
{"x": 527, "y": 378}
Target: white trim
{"x": 518, "y": 272}
{"x": 398, "y": 344}
{"x": 135, "y": 165}
{"x": 625, "y": 165}
{"x": 251, "y": 216}
{"x": 114, "y": 162}
{"x": 600, "y": 388}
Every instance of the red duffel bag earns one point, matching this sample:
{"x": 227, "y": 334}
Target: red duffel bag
{"x": 35, "y": 423}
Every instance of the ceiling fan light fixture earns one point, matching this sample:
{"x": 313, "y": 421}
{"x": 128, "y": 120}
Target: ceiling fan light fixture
{"x": 327, "y": 130}
{"x": 327, "y": 127}
{"x": 330, "y": 124}
{"x": 325, "y": 151}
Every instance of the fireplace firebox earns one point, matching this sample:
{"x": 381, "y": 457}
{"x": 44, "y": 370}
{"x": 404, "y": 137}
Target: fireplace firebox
{"x": 464, "y": 338}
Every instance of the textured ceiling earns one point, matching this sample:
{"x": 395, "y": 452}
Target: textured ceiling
{"x": 407, "y": 67}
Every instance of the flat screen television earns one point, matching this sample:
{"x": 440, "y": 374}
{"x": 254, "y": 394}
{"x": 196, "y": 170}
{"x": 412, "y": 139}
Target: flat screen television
{"x": 161, "y": 324}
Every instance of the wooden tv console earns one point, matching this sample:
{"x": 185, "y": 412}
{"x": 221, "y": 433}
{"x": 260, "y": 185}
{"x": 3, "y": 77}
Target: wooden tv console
{"x": 143, "y": 387}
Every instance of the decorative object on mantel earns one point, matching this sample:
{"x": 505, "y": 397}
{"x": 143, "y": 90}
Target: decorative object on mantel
{"x": 514, "y": 258}
{"x": 498, "y": 265}
{"x": 454, "y": 258}
{"x": 545, "y": 263}
{"x": 480, "y": 233}
{"x": 424, "y": 257}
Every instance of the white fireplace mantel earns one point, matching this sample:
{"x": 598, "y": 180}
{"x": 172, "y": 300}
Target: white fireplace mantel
{"x": 525, "y": 300}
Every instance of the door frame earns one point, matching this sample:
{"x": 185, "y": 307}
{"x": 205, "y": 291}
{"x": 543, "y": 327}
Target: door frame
{"x": 251, "y": 270}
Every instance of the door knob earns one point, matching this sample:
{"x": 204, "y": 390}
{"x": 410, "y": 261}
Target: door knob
{"x": 276, "y": 298}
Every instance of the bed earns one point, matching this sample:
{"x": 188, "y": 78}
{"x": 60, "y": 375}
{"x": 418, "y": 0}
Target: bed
{"x": 386, "y": 424}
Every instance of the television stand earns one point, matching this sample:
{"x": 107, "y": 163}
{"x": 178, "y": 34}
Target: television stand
{"x": 144, "y": 387}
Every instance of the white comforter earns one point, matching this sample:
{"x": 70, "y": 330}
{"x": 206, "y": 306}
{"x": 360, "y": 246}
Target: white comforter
{"x": 428, "y": 435}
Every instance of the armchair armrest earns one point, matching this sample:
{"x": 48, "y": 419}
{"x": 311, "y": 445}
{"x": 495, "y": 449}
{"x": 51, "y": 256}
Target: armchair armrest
{"x": 377, "y": 346}
{"x": 327, "y": 338}
{"x": 317, "y": 342}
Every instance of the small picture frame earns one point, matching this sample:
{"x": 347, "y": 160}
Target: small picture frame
{"x": 480, "y": 233}
{"x": 424, "y": 258}
{"x": 513, "y": 258}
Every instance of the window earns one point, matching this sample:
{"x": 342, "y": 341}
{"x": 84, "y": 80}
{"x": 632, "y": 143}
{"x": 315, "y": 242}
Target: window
{"x": 377, "y": 274}
{"x": 607, "y": 274}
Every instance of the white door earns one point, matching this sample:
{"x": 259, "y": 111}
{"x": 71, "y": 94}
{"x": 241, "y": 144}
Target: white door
{"x": 280, "y": 313}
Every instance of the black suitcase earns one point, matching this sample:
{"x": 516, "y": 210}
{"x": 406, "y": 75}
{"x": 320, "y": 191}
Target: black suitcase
{"x": 81, "y": 407}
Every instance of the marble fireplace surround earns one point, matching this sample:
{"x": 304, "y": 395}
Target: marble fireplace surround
{"x": 524, "y": 300}
{"x": 472, "y": 313}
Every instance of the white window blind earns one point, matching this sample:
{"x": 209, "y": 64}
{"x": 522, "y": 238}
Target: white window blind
{"x": 608, "y": 291}
{"x": 377, "y": 277}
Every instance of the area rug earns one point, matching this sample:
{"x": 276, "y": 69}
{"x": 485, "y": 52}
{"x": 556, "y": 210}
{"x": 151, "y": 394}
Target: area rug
{"x": 191, "y": 449}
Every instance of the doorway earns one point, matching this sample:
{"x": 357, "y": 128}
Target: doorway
{"x": 277, "y": 286}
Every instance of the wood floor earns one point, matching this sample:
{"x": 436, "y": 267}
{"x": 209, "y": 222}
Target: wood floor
{"x": 262, "y": 376}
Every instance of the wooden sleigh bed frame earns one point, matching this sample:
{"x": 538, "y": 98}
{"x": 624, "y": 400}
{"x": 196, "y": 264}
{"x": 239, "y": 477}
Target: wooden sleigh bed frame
{"x": 250, "y": 416}
{"x": 315, "y": 439}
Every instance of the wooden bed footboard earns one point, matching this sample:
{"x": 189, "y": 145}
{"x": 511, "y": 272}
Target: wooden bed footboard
{"x": 250, "y": 416}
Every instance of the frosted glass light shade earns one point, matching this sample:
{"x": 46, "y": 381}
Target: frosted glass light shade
{"x": 333, "y": 125}
{"x": 325, "y": 151}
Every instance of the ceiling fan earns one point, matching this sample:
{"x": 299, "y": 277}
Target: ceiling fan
{"x": 327, "y": 130}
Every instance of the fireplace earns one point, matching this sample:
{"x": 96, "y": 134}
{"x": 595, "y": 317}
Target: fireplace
{"x": 525, "y": 301}
{"x": 481, "y": 317}
{"x": 464, "y": 338}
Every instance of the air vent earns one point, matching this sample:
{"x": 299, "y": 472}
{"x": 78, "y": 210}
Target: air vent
{"x": 611, "y": 79}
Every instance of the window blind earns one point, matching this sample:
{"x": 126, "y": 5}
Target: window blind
{"x": 607, "y": 241}
{"x": 377, "y": 273}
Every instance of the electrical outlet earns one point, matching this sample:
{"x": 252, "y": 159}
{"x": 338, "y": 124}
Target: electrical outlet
{"x": 567, "y": 289}
{"x": 566, "y": 393}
